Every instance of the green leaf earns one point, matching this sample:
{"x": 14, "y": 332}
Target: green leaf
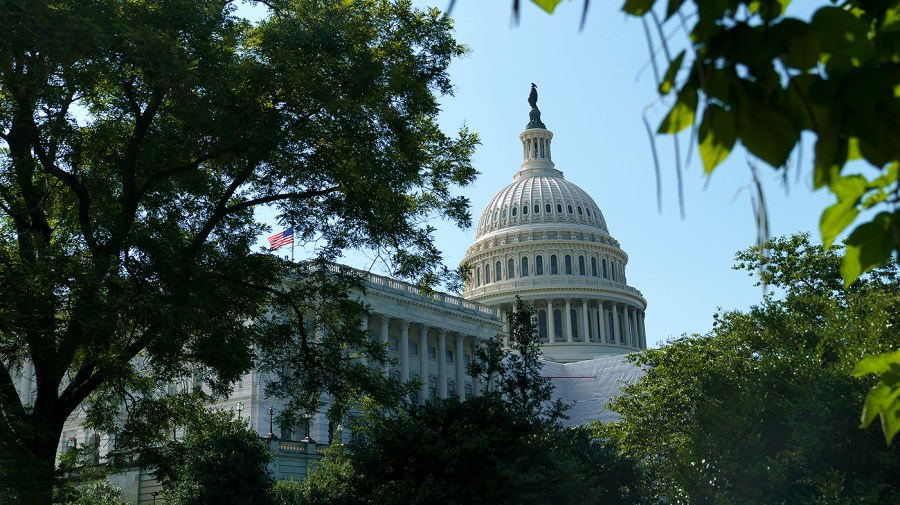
{"x": 838, "y": 29}
{"x": 891, "y": 20}
{"x": 716, "y": 136}
{"x": 878, "y": 364}
{"x": 883, "y": 401}
{"x": 849, "y": 191}
{"x": 668, "y": 81}
{"x": 870, "y": 245}
{"x": 682, "y": 114}
{"x": 638, "y": 7}
{"x": 547, "y": 5}
{"x": 830, "y": 157}
{"x": 767, "y": 132}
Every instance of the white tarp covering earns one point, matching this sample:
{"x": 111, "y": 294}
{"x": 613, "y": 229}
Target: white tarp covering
{"x": 589, "y": 385}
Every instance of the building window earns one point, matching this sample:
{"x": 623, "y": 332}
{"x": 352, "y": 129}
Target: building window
{"x": 414, "y": 348}
{"x": 605, "y": 276}
{"x": 568, "y": 265}
{"x": 559, "y": 208}
{"x": 557, "y": 324}
{"x": 497, "y": 272}
{"x": 467, "y": 358}
{"x": 537, "y": 208}
{"x": 581, "y": 265}
{"x": 539, "y": 265}
{"x": 510, "y": 268}
{"x": 547, "y": 208}
{"x": 395, "y": 344}
{"x": 448, "y": 356}
{"x": 542, "y": 324}
{"x": 432, "y": 352}
{"x": 594, "y": 267}
{"x": 579, "y": 210}
{"x": 470, "y": 392}
{"x": 432, "y": 388}
{"x": 477, "y": 276}
{"x": 573, "y": 321}
{"x": 451, "y": 389}
{"x": 571, "y": 211}
{"x": 524, "y": 270}
{"x": 554, "y": 267}
{"x": 487, "y": 274}
{"x": 503, "y": 213}
{"x": 524, "y": 210}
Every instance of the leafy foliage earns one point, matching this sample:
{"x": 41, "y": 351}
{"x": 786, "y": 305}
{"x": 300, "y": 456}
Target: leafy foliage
{"x": 222, "y": 461}
{"x": 763, "y": 409}
{"x": 136, "y": 143}
{"x": 505, "y": 447}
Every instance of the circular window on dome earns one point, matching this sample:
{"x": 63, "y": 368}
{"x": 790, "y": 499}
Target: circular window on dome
{"x": 559, "y": 208}
{"x": 571, "y": 211}
{"x": 579, "y": 210}
{"x": 524, "y": 210}
{"x": 514, "y": 210}
{"x": 537, "y": 208}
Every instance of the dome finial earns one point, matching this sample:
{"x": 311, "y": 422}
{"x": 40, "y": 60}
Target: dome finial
{"x": 534, "y": 117}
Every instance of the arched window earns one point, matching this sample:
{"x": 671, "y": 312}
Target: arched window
{"x": 570, "y": 209}
{"x": 537, "y": 208}
{"x": 523, "y": 272}
{"x": 510, "y": 268}
{"x": 557, "y": 324}
{"x": 554, "y": 267}
{"x": 559, "y": 208}
{"x": 605, "y": 276}
{"x": 573, "y": 320}
{"x": 514, "y": 211}
{"x": 524, "y": 210}
{"x": 487, "y": 274}
{"x": 581, "y": 265}
{"x": 579, "y": 210}
{"x": 547, "y": 208}
{"x": 477, "y": 276}
{"x": 568, "y": 265}
{"x": 542, "y": 324}
{"x": 539, "y": 265}
{"x": 503, "y": 213}
{"x": 498, "y": 271}
{"x": 593, "y": 267}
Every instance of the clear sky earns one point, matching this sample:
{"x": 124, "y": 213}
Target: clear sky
{"x": 594, "y": 87}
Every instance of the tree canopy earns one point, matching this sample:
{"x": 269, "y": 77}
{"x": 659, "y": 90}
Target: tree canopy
{"x": 137, "y": 143}
{"x": 764, "y": 408}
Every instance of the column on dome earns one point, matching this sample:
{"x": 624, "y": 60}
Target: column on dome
{"x": 585, "y": 319}
{"x": 442, "y": 362}
{"x": 603, "y": 334}
{"x": 404, "y": 351}
{"x": 629, "y": 341}
{"x": 423, "y": 361}
{"x": 567, "y": 317}
{"x": 617, "y": 337}
{"x": 551, "y": 324}
{"x": 643, "y": 330}
{"x": 476, "y": 383}
{"x": 595, "y": 324}
{"x": 383, "y": 338}
{"x": 460, "y": 370}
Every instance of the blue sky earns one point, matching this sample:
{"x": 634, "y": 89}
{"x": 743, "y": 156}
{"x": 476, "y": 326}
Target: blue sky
{"x": 594, "y": 87}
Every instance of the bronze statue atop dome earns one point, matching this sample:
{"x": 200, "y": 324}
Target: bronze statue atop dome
{"x": 532, "y": 97}
{"x": 534, "y": 117}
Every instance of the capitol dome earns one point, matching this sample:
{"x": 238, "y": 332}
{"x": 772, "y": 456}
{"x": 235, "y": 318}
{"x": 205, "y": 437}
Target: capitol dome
{"x": 545, "y": 239}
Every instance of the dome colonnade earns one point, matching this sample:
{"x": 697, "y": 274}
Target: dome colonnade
{"x": 545, "y": 240}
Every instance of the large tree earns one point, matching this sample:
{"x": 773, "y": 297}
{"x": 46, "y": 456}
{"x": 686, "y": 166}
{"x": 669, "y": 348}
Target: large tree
{"x": 139, "y": 141}
{"x": 764, "y": 408}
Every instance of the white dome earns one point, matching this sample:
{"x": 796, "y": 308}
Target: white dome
{"x": 540, "y": 197}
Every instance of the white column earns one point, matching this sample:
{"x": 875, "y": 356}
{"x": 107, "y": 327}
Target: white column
{"x": 626, "y": 312}
{"x": 404, "y": 351}
{"x": 567, "y": 317}
{"x": 364, "y": 328}
{"x": 643, "y": 330}
{"x": 383, "y": 336}
{"x": 460, "y": 369}
{"x": 616, "y": 330}
{"x": 604, "y": 326}
{"x": 476, "y": 381}
{"x": 551, "y": 325}
{"x": 585, "y": 319}
{"x": 442, "y": 363}
{"x": 423, "y": 360}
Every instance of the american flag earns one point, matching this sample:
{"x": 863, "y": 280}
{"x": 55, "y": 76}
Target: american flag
{"x": 281, "y": 238}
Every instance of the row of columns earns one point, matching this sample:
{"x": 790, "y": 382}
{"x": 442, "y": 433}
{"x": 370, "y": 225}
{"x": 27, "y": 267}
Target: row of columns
{"x": 595, "y": 322}
{"x": 440, "y": 357}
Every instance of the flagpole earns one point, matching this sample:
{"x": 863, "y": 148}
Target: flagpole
{"x": 293, "y": 235}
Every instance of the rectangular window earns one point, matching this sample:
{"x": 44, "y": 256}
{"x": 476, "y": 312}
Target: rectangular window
{"x": 414, "y": 348}
{"x": 449, "y": 356}
{"x": 395, "y": 344}
{"x": 432, "y": 352}
{"x": 466, "y": 359}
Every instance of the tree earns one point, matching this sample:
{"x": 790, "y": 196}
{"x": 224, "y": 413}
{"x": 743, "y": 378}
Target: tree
{"x": 504, "y": 447}
{"x": 763, "y": 409}
{"x": 139, "y": 140}
{"x": 222, "y": 461}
